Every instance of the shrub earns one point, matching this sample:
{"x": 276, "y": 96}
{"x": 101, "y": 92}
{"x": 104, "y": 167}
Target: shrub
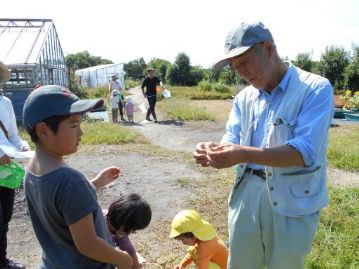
{"x": 222, "y": 88}
{"x": 351, "y": 100}
{"x": 205, "y": 86}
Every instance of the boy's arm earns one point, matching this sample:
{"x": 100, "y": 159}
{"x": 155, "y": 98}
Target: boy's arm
{"x": 105, "y": 177}
{"x": 135, "y": 264}
{"x": 90, "y": 245}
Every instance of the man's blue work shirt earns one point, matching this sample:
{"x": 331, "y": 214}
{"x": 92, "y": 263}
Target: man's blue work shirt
{"x": 317, "y": 104}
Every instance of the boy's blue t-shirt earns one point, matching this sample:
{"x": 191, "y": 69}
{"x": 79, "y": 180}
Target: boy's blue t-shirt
{"x": 55, "y": 201}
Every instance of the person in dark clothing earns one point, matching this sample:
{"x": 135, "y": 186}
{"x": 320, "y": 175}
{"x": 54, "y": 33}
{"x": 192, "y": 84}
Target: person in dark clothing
{"x": 151, "y": 82}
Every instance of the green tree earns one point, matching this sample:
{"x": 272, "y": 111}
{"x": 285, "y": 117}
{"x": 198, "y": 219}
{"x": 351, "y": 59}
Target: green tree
{"x": 196, "y": 75}
{"x": 180, "y": 72}
{"x": 332, "y": 65}
{"x": 161, "y": 67}
{"x": 135, "y": 68}
{"x": 304, "y": 61}
{"x": 352, "y": 72}
{"x": 83, "y": 59}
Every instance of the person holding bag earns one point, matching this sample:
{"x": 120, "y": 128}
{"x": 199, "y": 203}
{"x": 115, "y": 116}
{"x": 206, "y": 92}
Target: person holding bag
{"x": 8, "y": 133}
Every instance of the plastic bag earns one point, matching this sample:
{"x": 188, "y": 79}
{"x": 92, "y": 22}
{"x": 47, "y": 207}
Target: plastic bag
{"x": 11, "y": 175}
{"x": 166, "y": 94}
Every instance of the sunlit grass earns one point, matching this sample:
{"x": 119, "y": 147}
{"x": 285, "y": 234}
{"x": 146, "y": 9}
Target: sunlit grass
{"x": 107, "y": 133}
{"x": 343, "y": 151}
{"x": 180, "y": 109}
{"x": 336, "y": 244}
{"x": 98, "y": 132}
{"x": 196, "y": 94}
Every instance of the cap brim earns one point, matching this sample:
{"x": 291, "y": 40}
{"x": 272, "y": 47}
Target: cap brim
{"x": 174, "y": 233}
{"x": 205, "y": 232}
{"x": 224, "y": 59}
{"x": 82, "y": 106}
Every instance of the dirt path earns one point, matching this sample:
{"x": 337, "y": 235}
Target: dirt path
{"x": 153, "y": 176}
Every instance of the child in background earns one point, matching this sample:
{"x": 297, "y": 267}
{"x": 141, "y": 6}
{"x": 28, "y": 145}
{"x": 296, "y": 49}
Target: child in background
{"x": 125, "y": 216}
{"x": 129, "y": 109}
{"x": 62, "y": 203}
{"x": 114, "y": 99}
{"x": 206, "y": 250}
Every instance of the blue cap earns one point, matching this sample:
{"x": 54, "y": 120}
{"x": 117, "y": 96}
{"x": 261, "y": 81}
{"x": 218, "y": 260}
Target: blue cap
{"x": 54, "y": 100}
{"x": 241, "y": 38}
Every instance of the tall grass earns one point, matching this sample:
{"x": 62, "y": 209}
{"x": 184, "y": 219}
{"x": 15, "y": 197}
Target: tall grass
{"x": 336, "y": 244}
{"x": 97, "y": 132}
{"x": 194, "y": 93}
{"x": 343, "y": 151}
{"x": 180, "y": 109}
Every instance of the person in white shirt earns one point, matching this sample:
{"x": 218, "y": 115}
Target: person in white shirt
{"x": 8, "y": 133}
{"x": 115, "y": 85}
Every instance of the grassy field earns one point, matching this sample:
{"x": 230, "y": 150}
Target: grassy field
{"x": 181, "y": 109}
{"x": 343, "y": 152}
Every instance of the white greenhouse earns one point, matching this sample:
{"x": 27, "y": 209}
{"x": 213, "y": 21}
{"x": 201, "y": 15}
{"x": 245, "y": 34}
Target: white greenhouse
{"x": 100, "y": 75}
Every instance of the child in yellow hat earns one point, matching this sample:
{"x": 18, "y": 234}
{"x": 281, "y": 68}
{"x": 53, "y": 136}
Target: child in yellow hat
{"x": 206, "y": 249}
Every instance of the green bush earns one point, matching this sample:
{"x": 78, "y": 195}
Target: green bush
{"x": 205, "y": 86}
{"x": 222, "y": 88}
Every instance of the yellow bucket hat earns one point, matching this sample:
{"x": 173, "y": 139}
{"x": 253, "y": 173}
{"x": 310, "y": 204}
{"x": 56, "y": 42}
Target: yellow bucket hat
{"x": 190, "y": 221}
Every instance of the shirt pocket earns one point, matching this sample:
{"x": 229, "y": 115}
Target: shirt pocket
{"x": 282, "y": 130}
{"x": 306, "y": 182}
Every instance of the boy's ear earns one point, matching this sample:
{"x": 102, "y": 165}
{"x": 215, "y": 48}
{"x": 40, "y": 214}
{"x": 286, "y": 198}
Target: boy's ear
{"x": 42, "y": 130}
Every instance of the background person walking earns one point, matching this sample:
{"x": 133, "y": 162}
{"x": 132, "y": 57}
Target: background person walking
{"x": 115, "y": 85}
{"x": 150, "y": 83}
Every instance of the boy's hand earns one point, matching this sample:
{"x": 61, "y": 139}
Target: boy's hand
{"x": 5, "y": 160}
{"x": 126, "y": 260}
{"x": 106, "y": 176}
{"x": 178, "y": 266}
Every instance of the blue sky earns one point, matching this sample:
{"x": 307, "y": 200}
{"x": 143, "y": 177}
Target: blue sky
{"x": 126, "y": 30}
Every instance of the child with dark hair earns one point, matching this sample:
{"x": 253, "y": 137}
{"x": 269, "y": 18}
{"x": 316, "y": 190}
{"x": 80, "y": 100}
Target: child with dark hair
{"x": 62, "y": 202}
{"x": 125, "y": 216}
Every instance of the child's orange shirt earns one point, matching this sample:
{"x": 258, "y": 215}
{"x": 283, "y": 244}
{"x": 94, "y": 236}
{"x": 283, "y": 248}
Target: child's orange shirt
{"x": 204, "y": 252}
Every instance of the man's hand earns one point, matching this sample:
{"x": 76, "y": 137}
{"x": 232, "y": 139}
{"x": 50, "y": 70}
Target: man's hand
{"x": 225, "y": 155}
{"x": 5, "y": 160}
{"x": 106, "y": 176}
{"x": 201, "y": 152}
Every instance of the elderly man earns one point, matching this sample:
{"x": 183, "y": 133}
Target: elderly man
{"x": 277, "y": 135}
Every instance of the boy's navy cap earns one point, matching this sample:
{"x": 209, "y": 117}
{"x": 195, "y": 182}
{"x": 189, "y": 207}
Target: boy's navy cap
{"x": 241, "y": 38}
{"x": 54, "y": 100}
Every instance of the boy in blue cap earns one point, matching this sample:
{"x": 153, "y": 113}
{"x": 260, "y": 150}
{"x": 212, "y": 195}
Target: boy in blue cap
{"x": 62, "y": 203}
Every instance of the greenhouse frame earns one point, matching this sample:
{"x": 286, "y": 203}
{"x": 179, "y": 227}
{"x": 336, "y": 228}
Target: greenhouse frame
{"x": 32, "y": 51}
